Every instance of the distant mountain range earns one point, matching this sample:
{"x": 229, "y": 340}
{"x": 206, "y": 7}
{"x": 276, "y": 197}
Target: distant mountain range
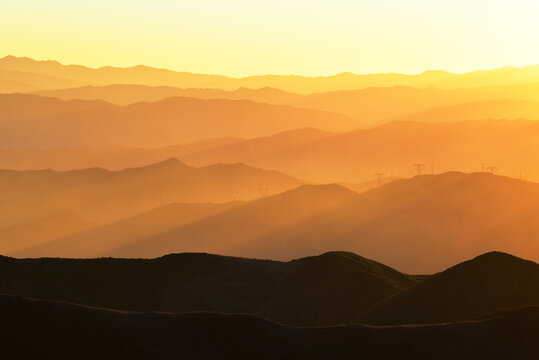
{"x": 301, "y": 84}
{"x": 325, "y": 157}
{"x": 103, "y": 196}
{"x": 31, "y": 121}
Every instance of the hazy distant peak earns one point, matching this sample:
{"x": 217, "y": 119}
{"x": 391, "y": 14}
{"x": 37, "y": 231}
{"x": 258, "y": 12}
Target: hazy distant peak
{"x": 168, "y": 163}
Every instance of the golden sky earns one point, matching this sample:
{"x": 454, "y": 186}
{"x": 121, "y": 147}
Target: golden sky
{"x": 244, "y": 37}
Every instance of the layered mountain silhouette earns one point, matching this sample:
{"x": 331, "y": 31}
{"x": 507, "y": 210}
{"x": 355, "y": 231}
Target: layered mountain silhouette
{"x": 106, "y": 157}
{"x": 18, "y": 81}
{"x": 452, "y": 217}
{"x": 89, "y": 333}
{"x": 469, "y": 290}
{"x": 238, "y": 227}
{"x": 301, "y": 84}
{"x": 170, "y": 121}
{"x": 394, "y": 148}
{"x": 332, "y": 288}
{"x": 370, "y": 106}
{"x": 499, "y": 109}
{"x": 103, "y": 196}
{"x": 125, "y": 94}
{"x": 22, "y": 107}
{"x": 95, "y": 239}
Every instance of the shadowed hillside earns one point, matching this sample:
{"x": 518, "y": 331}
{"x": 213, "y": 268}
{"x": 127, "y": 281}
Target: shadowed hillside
{"x": 104, "y": 196}
{"x": 472, "y": 289}
{"x": 37, "y": 329}
{"x": 332, "y": 288}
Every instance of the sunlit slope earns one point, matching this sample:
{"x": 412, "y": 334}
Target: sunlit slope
{"x": 102, "y": 195}
{"x": 376, "y": 105}
{"x": 494, "y": 109}
{"x": 20, "y": 236}
{"x": 451, "y": 217}
{"x": 509, "y": 146}
{"x": 301, "y": 84}
{"x": 469, "y": 290}
{"x": 84, "y": 243}
{"x": 234, "y": 231}
{"x": 167, "y": 122}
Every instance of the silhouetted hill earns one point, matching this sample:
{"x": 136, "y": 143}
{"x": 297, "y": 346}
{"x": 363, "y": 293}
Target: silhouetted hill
{"x": 40, "y": 329}
{"x": 103, "y": 196}
{"x": 169, "y": 121}
{"x": 332, "y": 288}
{"x": 469, "y": 290}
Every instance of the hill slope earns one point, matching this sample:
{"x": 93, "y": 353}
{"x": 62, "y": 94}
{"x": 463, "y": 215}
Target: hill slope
{"x": 236, "y": 232}
{"x": 332, "y": 288}
{"x": 20, "y": 236}
{"x": 66, "y": 331}
{"x": 475, "y": 288}
{"x": 93, "y": 241}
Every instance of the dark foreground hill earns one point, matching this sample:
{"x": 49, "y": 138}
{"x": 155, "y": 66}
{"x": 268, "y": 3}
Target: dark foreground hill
{"x": 333, "y": 288}
{"x": 39, "y": 329}
{"x": 474, "y": 288}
